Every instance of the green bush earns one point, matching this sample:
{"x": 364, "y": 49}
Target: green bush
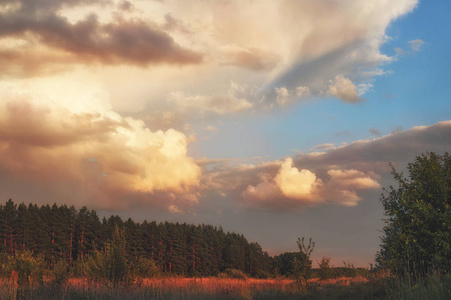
{"x": 145, "y": 268}
{"x": 233, "y": 274}
{"x": 111, "y": 265}
{"x": 28, "y": 267}
{"x": 60, "y": 272}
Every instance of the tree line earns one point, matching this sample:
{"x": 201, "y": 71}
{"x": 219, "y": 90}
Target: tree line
{"x": 62, "y": 233}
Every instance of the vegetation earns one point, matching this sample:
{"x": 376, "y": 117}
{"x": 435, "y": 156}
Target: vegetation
{"x": 418, "y": 225}
{"x": 79, "y": 238}
{"x": 57, "y": 252}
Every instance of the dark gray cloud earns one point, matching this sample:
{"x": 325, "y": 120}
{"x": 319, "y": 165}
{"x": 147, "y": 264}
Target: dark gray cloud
{"x": 119, "y": 42}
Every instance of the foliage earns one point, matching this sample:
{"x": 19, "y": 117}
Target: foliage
{"x": 289, "y": 264}
{"x": 145, "y": 268}
{"x": 64, "y": 233}
{"x": 418, "y": 225}
{"x": 28, "y": 268}
{"x": 60, "y": 272}
{"x": 232, "y": 274}
{"x": 325, "y": 271}
{"x": 306, "y": 264}
{"x": 110, "y": 265}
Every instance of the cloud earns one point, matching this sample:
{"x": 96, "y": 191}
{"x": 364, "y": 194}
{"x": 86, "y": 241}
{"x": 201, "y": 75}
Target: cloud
{"x": 344, "y": 89}
{"x": 234, "y": 101}
{"x": 337, "y": 176}
{"x": 283, "y": 96}
{"x": 295, "y": 184}
{"x": 114, "y": 161}
{"x": 302, "y": 91}
{"x": 216, "y": 104}
{"x": 336, "y": 43}
{"x": 39, "y": 26}
{"x": 291, "y": 188}
{"x": 252, "y": 59}
{"x": 374, "y": 131}
{"x": 302, "y": 46}
{"x": 341, "y": 133}
{"x": 416, "y": 45}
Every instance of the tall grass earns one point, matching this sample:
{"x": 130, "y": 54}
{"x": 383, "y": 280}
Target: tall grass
{"x": 380, "y": 286}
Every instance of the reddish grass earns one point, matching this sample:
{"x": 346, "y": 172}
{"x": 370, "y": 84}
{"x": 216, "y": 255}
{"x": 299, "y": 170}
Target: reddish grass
{"x": 190, "y": 288}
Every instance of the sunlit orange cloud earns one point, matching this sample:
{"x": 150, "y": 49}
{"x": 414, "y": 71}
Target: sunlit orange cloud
{"x": 291, "y": 188}
{"x": 109, "y": 158}
{"x": 336, "y": 176}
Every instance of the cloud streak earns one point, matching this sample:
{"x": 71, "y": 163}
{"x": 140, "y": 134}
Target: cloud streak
{"x": 337, "y": 176}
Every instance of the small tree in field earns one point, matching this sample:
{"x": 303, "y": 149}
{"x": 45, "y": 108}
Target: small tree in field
{"x": 325, "y": 270}
{"x": 302, "y": 269}
{"x": 110, "y": 265}
{"x": 418, "y": 225}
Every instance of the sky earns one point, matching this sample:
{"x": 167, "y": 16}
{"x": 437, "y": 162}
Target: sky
{"x": 274, "y": 119}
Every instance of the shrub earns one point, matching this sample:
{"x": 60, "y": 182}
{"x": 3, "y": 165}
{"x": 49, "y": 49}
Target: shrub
{"x": 145, "y": 268}
{"x": 28, "y": 267}
{"x": 325, "y": 271}
{"x": 110, "y": 265}
{"x": 60, "y": 272}
{"x": 233, "y": 274}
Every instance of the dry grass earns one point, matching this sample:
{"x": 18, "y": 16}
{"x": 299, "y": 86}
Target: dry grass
{"x": 176, "y": 288}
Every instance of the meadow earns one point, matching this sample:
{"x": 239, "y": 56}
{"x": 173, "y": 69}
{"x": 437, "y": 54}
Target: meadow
{"x": 376, "y": 286}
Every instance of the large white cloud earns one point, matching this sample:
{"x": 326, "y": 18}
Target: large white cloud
{"x": 83, "y": 143}
{"x": 193, "y": 51}
{"x": 294, "y": 183}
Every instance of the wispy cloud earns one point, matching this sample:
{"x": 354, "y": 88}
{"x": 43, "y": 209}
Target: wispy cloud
{"x": 416, "y": 45}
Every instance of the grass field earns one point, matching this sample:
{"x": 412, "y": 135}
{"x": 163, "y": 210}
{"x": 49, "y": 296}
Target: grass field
{"x": 219, "y": 288}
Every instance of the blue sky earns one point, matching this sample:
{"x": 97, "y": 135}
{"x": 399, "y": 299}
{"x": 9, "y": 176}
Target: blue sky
{"x": 275, "y": 119}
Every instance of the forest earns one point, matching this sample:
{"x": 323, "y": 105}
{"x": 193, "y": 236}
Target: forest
{"x": 64, "y": 233}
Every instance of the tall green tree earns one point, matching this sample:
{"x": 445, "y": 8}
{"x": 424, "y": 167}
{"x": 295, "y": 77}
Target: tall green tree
{"x": 111, "y": 264}
{"x": 418, "y": 224}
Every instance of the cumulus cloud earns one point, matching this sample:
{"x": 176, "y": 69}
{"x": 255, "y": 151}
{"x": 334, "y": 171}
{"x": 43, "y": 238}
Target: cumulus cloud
{"x": 344, "y": 89}
{"x": 283, "y": 96}
{"x": 291, "y": 188}
{"x": 337, "y": 176}
{"x": 295, "y": 184}
{"x": 302, "y": 91}
{"x": 114, "y": 161}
